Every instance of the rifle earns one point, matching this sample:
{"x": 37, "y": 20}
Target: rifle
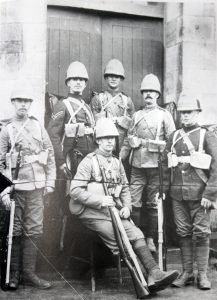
{"x": 5, "y": 219}
{"x": 123, "y": 242}
{"x": 161, "y": 257}
{"x": 11, "y": 224}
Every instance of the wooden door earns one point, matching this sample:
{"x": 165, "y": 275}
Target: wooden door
{"x": 94, "y": 39}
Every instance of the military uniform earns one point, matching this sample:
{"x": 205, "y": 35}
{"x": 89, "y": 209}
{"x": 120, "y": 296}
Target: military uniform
{"x": 56, "y": 128}
{"x": 91, "y": 213}
{"x": 192, "y": 157}
{"x": 188, "y": 186}
{"x": 117, "y": 106}
{"x": 37, "y": 171}
{"x": 148, "y": 126}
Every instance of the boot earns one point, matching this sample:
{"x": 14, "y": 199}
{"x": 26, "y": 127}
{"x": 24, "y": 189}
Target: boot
{"x": 157, "y": 280}
{"x": 151, "y": 245}
{"x": 29, "y": 265}
{"x": 187, "y": 276}
{"x": 15, "y": 263}
{"x": 152, "y": 229}
{"x": 202, "y": 258}
{"x": 135, "y": 215}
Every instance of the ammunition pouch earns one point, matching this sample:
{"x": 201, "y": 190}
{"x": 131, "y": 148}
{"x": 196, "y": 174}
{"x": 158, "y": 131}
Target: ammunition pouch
{"x": 77, "y": 130}
{"x": 124, "y": 122}
{"x": 200, "y": 160}
{"x": 43, "y": 157}
{"x": 134, "y": 141}
{"x": 196, "y": 159}
{"x": 75, "y": 207}
{"x": 172, "y": 160}
{"x": 156, "y": 145}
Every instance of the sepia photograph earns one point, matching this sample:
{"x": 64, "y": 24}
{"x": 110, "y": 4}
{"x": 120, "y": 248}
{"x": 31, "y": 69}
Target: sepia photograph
{"x": 108, "y": 149}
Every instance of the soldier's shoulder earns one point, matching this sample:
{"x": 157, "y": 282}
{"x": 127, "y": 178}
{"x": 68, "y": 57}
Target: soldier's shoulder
{"x": 162, "y": 109}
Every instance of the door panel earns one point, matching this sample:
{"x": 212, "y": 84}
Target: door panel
{"x": 94, "y": 39}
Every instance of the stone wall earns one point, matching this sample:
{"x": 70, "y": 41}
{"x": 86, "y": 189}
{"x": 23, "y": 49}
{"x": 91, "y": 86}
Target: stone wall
{"x": 22, "y": 50}
{"x": 190, "y": 54}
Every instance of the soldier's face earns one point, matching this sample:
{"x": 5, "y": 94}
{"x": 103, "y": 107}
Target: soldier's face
{"x": 189, "y": 118}
{"x": 150, "y": 97}
{"x": 21, "y": 106}
{"x": 113, "y": 81}
{"x": 76, "y": 85}
{"x": 106, "y": 144}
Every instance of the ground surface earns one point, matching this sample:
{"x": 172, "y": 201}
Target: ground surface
{"x": 108, "y": 288}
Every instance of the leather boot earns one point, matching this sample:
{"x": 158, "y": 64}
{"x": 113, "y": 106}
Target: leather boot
{"x": 187, "y": 276}
{"x": 152, "y": 229}
{"x": 135, "y": 215}
{"x": 29, "y": 264}
{"x": 15, "y": 263}
{"x": 157, "y": 280}
{"x": 202, "y": 258}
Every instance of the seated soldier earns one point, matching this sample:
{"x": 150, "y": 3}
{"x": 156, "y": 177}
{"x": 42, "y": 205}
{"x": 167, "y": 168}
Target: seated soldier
{"x": 91, "y": 205}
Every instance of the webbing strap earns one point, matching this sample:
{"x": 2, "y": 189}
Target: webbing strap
{"x": 10, "y": 132}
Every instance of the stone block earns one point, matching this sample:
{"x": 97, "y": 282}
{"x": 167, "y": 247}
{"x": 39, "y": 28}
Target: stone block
{"x": 173, "y": 31}
{"x": 173, "y": 10}
{"x": 199, "y": 56}
{"x": 198, "y": 29}
{"x": 209, "y": 109}
{"x": 173, "y": 57}
{"x": 199, "y": 8}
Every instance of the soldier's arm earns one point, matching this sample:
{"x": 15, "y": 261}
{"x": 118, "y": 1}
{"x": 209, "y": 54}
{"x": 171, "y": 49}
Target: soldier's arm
{"x": 169, "y": 125}
{"x": 56, "y": 129}
{"x": 78, "y": 189}
{"x": 125, "y": 149}
{"x": 125, "y": 196}
{"x": 210, "y": 146}
{"x": 4, "y": 147}
{"x": 131, "y": 107}
{"x": 95, "y": 105}
{"x": 50, "y": 168}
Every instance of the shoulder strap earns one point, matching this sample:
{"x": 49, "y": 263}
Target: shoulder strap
{"x": 202, "y": 136}
{"x": 10, "y": 132}
{"x": 160, "y": 121}
{"x": 111, "y": 100}
{"x": 71, "y": 111}
{"x": 85, "y": 107}
{"x": 181, "y": 136}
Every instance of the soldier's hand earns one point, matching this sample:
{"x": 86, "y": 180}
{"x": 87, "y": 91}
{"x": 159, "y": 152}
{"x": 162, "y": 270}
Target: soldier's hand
{"x": 64, "y": 170}
{"x": 206, "y": 203}
{"x": 157, "y": 197}
{"x": 48, "y": 190}
{"x": 107, "y": 201}
{"x": 124, "y": 213}
{"x": 6, "y": 201}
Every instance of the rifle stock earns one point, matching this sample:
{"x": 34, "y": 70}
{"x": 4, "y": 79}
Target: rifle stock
{"x": 123, "y": 243}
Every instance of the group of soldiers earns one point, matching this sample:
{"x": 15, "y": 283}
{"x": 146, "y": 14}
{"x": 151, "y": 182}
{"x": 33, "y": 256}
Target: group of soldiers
{"x": 81, "y": 140}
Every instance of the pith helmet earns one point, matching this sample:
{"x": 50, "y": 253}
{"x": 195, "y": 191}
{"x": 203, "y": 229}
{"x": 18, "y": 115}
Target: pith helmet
{"x": 22, "y": 90}
{"x": 114, "y": 67}
{"x": 188, "y": 102}
{"x": 150, "y": 82}
{"x": 76, "y": 69}
{"x": 105, "y": 128}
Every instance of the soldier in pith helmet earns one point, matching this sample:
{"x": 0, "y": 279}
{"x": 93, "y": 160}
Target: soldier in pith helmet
{"x": 91, "y": 205}
{"x": 113, "y": 103}
{"x": 147, "y": 135}
{"x": 23, "y": 136}
{"x": 72, "y": 122}
{"x": 192, "y": 158}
